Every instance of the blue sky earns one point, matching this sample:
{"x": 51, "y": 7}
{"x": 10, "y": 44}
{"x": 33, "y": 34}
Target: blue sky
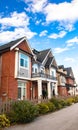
{"x": 46, "y": 24}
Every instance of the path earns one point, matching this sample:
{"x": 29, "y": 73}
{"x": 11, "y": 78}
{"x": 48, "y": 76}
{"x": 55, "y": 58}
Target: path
{"x": 65, "y": 119}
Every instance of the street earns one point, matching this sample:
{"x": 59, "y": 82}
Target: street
{"x": 65, "y": 119}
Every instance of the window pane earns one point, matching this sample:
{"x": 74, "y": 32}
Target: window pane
{"x": 53, "y": 73}
{"x": 24, "y": 92}
{"x": 26, "y": 63}
{"x": 19, "y": 93}
{"x": 21, "y": 62}
{"x": 35, "y": 70}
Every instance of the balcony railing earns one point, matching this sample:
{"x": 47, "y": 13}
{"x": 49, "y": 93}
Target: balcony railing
{"x": 42, "y": 75}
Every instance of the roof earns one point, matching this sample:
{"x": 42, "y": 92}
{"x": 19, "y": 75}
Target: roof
{"x": 41, "y": 54}
{"x": 69, "y": 72}
{"x": 11, "y": 45}
{"x": 49, "y": 61}
{"x": 61, "y": 66}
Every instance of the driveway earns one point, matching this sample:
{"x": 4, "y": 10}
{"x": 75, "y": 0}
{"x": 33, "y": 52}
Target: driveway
{"x": 65, "y": 119}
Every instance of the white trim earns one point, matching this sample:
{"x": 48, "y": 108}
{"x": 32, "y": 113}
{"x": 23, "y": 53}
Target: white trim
{"x": 17, "y": 43}
{"x": 23, "y": 78}
{"x": 29, "y": 46}
{"x": 19, "y": 80}
{"x": 27, "y": 60}
{"x": 51, "y": 61}
{"x": 16, "y": 63}
{"x": 20, "y": 42}
{"x": 43, "y": 79}
{"x": 24, "y": 86}
{"x": 46, "y": 56}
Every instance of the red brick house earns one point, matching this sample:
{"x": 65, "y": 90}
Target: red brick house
{"x": 24, "y": 74}
{"x": 44, "y": 74}
{"x": 61, "y": 76}
{"x": 27, "y": 73}
{"x": 15, "y": 70}
{"x": 70, "y": 81}
{"x": 66, "y": 81}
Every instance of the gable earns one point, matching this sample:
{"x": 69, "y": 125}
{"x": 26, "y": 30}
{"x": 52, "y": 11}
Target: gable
{"x": 54, "y": 63}
{"x": 24, "y": 46}
{"x": 20, "y": 43}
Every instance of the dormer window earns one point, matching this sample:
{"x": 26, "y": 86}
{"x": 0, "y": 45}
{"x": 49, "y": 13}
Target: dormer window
{"x": 42, "y": 69}
{"x": 35, "y": 68}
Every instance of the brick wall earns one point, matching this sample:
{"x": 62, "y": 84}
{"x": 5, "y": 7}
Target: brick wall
{"x": 9, "y": 84}
{"x": 70, "y": 81}
{"x": 62, "y": 91}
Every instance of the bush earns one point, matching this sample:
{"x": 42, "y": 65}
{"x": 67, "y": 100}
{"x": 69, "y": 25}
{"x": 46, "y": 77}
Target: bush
{"x": 75, "y": 99}
{"x": 56, "y": 102}
{"x": 4, "y": 122}
{"x": 23, "y": 112}
{"x": 63, "y": 102}
{"x": 51, "y": 106}
{"x": 43, "y": 108}
{"x": 69, "y": 101}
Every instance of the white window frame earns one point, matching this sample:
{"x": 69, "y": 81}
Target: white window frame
{"x": 27, "y": 60}
{"x": 22, "y": 85}
{"x": 35, "y": 68}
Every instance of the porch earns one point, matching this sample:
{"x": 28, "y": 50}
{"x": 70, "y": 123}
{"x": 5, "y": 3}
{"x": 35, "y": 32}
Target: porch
{"x": 42, "y": 89}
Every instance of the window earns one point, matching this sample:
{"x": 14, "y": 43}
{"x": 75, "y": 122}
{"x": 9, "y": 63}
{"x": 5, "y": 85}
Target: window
{"x": 21, "y": 90}
{"x": 42, "y": 69}
{"x": 35, "y": 70}
{"x": 23, "y": 60}
{"x": 32, "y": 69}
{"x": 52, "y": 73}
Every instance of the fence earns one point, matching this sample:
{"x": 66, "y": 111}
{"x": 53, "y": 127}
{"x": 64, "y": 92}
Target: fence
{"x": 5, "y": 106}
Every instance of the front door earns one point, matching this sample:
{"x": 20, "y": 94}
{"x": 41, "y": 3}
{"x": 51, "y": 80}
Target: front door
{"x": 21, "y": 90}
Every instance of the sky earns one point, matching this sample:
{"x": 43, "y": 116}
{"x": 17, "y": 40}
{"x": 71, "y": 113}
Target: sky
{"x": 46, "y": 24}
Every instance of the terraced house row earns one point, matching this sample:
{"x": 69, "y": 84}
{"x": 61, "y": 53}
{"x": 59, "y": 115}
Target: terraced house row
{"x": 27, "y": 73}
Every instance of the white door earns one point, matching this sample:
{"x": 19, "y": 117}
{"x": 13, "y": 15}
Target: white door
{"x": 21, "y": 90}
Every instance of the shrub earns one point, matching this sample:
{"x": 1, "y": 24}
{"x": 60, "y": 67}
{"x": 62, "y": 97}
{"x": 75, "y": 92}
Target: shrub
{"x": 75, "y": 99}
{"x": 69, "y": 101}
{"x": 56, "y": 102}
{"x": 51, "y": 106}
{"x": 43, "y": 108}
{"x": 63, "y": 102}
{"x": 23, "y": 112}
{"x": 4, "y": 122}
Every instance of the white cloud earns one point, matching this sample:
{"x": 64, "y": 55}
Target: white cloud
{"x": 60, "y": 50}
{"x": 7, "y": 36}
{"x": 62, "y": 12}
{"x": 70, "y": 44}
{"x": 20, "y": 22}
{"x": 36, "y": 5}
{"x": 43, "y": 33}
{"x": 65, "y": 13}
{"x": 66, "y": 25}
{"x": 69, "y": 59}
{"x": 73, "y": 40}
{"x": 60, "y": 35}
{"x": 15, "y": 20}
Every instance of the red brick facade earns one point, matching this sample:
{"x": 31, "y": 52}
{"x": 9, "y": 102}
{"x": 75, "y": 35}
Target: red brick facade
{"x": 9, "y": 84}
{"x": 62, "y": 91}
